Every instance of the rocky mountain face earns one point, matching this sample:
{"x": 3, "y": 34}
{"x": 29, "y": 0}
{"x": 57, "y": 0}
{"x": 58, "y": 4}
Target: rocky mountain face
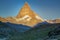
{"x": 25, "y": 16}
{"x": 28, "y": 16}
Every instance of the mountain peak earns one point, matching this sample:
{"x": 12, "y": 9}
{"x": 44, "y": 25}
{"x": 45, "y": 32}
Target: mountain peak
{"x": 24, "y": 10}
{"x": 26, "y": 4}
{"x": 28, "y": 16}
{"x": 25, "y": 16}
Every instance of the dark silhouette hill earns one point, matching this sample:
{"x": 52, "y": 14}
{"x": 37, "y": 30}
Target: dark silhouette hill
{"x": 40, "y": 32}
{"x": 7, "y": 29}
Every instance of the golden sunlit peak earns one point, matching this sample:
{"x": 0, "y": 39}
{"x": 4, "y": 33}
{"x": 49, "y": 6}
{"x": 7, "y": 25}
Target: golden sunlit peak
{"x": 26, "y": 5}
{"x": 26, "y": 2}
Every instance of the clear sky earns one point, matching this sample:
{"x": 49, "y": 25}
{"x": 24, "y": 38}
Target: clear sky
{"x": 47, "y": 9}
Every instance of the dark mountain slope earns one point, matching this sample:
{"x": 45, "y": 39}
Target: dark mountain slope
{"x": 38, "y": 33}
{"x": 54, "y": 33}
{"x": 7, "y": 29}
{"x": 18, "y": 27}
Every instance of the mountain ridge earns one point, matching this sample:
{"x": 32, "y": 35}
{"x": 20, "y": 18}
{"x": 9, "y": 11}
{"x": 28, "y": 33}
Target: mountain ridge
{"x": 25, "y": 16}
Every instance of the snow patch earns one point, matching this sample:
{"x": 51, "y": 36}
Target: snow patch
{"x": 29, "y": 19}
{"x": 26, "y": 17}
{"x": 39, "y": 18}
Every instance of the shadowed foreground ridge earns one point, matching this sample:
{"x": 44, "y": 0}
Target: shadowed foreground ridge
{"x": 39, "y": 32}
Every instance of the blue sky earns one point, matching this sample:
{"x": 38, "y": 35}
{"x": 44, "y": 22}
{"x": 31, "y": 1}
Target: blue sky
{"x": 47, "y": 9}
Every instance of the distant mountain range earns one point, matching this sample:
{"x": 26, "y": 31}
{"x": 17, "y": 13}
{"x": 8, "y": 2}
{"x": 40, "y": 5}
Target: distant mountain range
{"x": 27, "y": 17}
{"x": 54, "y": 21}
